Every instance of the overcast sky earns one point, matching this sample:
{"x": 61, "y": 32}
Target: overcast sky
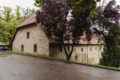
{"x": 21, "y": 3}
{"x": 24, "y": 3}
{"x": 117, "y": 1}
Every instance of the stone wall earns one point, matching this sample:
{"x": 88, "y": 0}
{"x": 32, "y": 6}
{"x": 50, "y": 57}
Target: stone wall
{"x": 36, "y": 36}
{"x": 91, "y": 53}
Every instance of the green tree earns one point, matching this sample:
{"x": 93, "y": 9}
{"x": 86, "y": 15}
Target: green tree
{"x": 114, "y": 44}
{"x": 26, "y": 12}
{"x": 5, "y": 18}
{"x": 108, "y": 27}
{"x": 77, "y": 4}
{"x": 18, "y": 14}
{"x": 10, "y": 19}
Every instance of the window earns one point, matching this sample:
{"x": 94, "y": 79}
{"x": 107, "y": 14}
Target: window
{"x": 81, "y": 49}
{"x": 90, "y": 49}
{"x": 76, "y": 57}
{"x": 96, "y": 48}
{"x": 35, "y": 48}
{"x": 28, "y": 35}
{"x": 22, "y": 47}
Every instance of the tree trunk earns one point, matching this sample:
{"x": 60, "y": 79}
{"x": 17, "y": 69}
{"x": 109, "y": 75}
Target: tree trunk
{"x": 68, "y": 58}
{"x": 109, "y": 56}
{"x": 109, "y": 52}
{"x": 68, "y": 51}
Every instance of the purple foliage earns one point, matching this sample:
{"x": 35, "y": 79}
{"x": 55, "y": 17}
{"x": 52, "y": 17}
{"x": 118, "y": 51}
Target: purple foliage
{"x": 106, "y": 17}
{"x": 56, "y": 25}
{"x": 53, "y": 18}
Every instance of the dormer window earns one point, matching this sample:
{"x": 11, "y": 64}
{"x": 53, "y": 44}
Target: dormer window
{"x": 28, "y": 35}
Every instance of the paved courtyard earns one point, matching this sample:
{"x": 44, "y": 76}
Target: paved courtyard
{"x": 19, "y": 67}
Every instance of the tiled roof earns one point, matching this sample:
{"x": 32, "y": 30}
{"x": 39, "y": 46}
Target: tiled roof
{"x": 30, "y": 20}
{"x": 95, "y": 39}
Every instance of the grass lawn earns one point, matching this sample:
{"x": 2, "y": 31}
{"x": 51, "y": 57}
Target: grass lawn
{"x": 63, "y": 60}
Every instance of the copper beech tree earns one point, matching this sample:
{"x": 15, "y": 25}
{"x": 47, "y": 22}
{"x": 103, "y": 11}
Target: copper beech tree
{"x": 64, "y": 22}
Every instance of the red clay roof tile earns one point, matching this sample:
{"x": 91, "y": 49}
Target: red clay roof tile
{"x": 31, "y": 19}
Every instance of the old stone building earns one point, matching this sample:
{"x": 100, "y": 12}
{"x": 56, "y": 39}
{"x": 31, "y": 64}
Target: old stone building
{"x": 32, "y": 39}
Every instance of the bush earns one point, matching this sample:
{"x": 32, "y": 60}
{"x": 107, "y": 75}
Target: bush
{"x": 115, "y": 57}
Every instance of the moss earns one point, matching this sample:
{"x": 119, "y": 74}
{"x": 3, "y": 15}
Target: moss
{"x": 63, "y": 60}
{"x": 5, "y": 44}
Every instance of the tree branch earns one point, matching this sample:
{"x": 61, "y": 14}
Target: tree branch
{"x": 3, "y": 18}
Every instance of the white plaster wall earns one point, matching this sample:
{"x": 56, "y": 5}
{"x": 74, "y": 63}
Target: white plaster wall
{"x": 87, "y": 56}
